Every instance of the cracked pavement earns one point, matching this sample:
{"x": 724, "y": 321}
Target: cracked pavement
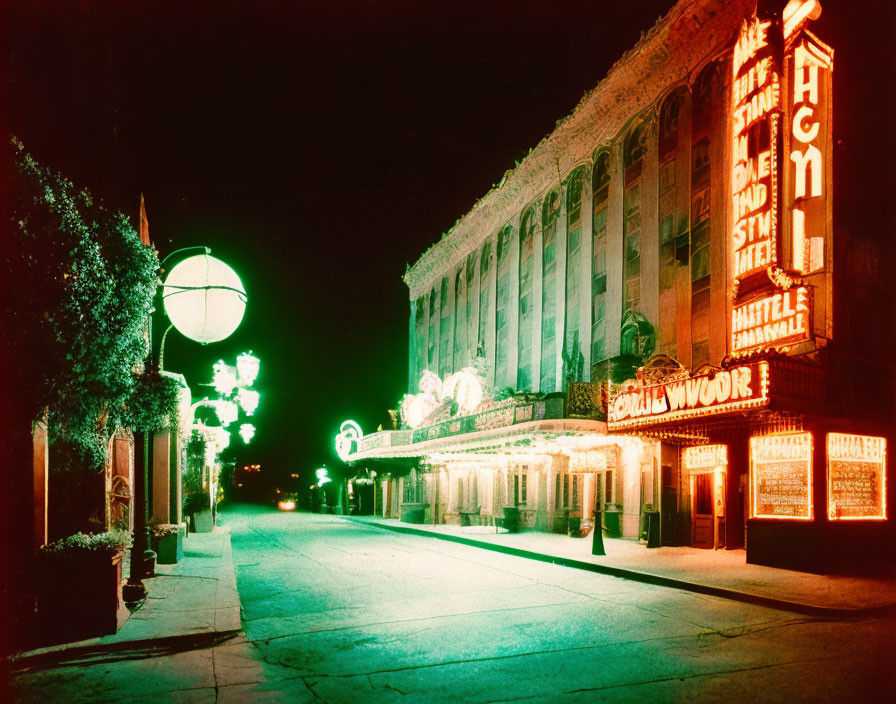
{"x": 334, "y": 611}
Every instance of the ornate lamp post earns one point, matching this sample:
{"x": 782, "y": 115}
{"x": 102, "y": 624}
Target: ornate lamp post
{"x": 204, "y": 300}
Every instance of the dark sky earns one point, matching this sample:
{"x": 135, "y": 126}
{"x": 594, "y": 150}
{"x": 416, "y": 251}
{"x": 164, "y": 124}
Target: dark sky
{"x": 320, "y": 147}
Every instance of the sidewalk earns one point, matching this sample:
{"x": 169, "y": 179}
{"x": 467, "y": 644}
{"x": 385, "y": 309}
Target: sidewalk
{"x": 722, "y": 573}
{"x": 190, "y": 603}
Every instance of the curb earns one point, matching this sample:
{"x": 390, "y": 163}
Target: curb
{"x": 644, "y": 577}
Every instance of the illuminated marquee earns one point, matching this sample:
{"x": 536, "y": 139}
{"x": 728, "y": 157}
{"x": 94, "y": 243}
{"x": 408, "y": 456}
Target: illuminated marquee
{"x": 781, "y": 476}
{"x": 782, "y": 318}
{"x": 857, "y": 477}
{"x": 704, "y": 458}
{"x": 728, "y": 390}
{"x": 756, "y": 102}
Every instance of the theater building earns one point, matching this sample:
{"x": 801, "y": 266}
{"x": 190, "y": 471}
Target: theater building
{"x": 652, "y": 314}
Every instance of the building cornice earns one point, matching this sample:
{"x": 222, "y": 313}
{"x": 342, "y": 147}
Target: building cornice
{"x": 668, "y": 54}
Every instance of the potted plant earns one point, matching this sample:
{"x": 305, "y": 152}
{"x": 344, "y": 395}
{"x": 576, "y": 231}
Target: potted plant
{"x": 168, "y": 543}
{"x": 197, "y": 501}
{"x": 79, "y": 592}
{"x": 574, "y": 527}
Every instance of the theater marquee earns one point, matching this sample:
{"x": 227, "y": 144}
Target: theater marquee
{"x": 737, "y": 389}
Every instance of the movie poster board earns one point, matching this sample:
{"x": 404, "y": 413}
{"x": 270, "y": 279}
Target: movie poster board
{"x": 857, "y": 477}
{"x": 781, "y": 476}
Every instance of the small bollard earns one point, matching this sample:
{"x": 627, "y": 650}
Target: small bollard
{"x": 597, "y": 539}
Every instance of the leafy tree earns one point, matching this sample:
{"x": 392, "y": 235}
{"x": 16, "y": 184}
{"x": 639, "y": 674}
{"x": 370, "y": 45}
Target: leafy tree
{"x": 78, "y": 312}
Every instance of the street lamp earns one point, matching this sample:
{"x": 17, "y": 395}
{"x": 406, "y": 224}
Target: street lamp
{"x": 204, "y": 300}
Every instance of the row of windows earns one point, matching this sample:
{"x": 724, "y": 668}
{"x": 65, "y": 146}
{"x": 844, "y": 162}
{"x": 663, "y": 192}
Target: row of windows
{"x": 684, "y": 200}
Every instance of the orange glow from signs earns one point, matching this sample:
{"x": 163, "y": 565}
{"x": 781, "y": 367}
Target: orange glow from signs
{"x": 857, "y": 477}
{"x": 704, "y": 457}
{"x": 286, "y": 505}
{"x": 781, "y": 476}
{"x": 780, "y": 318}
{"x": 756, "y": 102}
{"x": 735, "y": 389}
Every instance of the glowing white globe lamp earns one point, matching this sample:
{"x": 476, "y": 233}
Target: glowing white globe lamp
{"x": 227, "y": 412}
{"x": 247, "y": 432}
{"x": 204, "y": 299}
{"x": 224, "y": 378}
{"x": 248, "y": 400}
{"x": 247, "y": 368}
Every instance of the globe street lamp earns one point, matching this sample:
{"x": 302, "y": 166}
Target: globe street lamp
{"x": 204, "y": 300}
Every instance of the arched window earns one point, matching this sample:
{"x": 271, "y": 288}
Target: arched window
{"x": 421, "y": 319}
{"x": 572, "y": 355}
{"x": 460, "y": 319}
{"x": 550, "y": 213}
{"x": 503, "y": 374}
{"x": 673, "y": 215}
{"x": 432, "y": 355}
{"x": 633, "y": 156}
{"x": 472, "y": 305}
{"x": 701, "y": 220}
{"x": 445, "y": 348}
{"x": 600, "y": 200}
{"x": 485, "y": 276}
{"x": 527, "y": 238}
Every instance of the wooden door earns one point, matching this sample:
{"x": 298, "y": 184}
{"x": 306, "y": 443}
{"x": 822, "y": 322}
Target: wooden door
{"x": 702, "y": 517}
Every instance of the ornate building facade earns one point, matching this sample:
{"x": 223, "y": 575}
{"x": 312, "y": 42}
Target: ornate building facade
{"x": 647, "y": 301}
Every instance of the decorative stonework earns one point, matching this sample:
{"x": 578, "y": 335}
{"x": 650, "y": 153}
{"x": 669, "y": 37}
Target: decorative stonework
{"x": 636, "y": 82}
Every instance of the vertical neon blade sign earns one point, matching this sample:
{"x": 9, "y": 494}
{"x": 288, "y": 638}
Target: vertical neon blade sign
{"x": 756, "y": 113}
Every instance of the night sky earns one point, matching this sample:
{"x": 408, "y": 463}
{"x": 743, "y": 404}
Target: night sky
{"x": 319, "y": 148}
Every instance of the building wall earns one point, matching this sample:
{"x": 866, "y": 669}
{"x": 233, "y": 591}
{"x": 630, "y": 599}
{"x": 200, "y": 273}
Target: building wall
{"x": 639, "y": 225}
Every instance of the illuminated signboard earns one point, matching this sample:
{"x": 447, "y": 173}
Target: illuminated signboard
{"x": 756, "y": 105}
{"x": 810, "y": 62}
{"x": 735, "y": 389}
{"x": 782, "y": 318}
{"x": 857, "y": 477}
{"x": 781, "y": 476}
{"x": 704, "y": 458}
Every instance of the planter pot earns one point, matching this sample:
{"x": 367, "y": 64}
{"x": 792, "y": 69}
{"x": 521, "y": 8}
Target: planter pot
{"x": 169, "y": 549}
{"x": 79, "y": 597}
{"x": 512, "y": 519}
{"x": 574, "y": 527}
{"x": 203, "y": 522}
{"x": 413, "y": 513}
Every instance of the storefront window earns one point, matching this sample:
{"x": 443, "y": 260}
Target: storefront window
{"x": 781, "y": 476}
{"x": 857, "y": 477}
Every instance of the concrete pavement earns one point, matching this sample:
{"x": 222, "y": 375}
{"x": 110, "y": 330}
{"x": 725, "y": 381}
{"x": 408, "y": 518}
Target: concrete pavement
{"x": 722, "y": 573}
{"x": 188, "y": 605}
{"x": 337, "y": 611}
